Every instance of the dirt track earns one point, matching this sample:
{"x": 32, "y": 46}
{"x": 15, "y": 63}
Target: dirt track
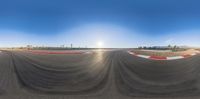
{"x": 164, "y": 53}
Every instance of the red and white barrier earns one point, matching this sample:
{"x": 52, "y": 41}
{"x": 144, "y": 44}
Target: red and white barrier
{"x": 60, "y": 52}
{"x": 161, "y": 57}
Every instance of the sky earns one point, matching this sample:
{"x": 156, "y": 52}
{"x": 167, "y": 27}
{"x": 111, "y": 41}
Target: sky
{"x": 85, "y": 23}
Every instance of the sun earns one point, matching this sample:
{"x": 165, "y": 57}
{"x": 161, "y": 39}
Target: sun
{"x": 100, "y": 44}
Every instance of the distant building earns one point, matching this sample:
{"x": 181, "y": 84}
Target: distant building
{"x": 62, "y": 46}
{"x": 71, "y": 45}
{"x": 29, "y": 47}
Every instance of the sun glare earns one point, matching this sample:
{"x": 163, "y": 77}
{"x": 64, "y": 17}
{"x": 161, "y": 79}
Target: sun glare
{"x": 100, "y": 44}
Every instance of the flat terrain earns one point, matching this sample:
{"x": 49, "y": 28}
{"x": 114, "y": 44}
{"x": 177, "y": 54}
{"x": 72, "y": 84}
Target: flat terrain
{"x": 98, "y": 75}
{"x": 164, "y": 53}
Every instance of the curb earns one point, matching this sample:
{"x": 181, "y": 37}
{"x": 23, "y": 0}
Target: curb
{"x": 161, "y": 57}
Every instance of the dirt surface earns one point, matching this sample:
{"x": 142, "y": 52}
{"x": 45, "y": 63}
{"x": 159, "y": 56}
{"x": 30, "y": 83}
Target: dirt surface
{"x": 164, "y": 53}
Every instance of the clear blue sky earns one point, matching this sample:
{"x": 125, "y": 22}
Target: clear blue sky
{"x": 116, "y": 23}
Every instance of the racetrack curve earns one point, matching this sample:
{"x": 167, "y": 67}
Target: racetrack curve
{"x": 100, "y": 75}
{"x": 142, "y": 77}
